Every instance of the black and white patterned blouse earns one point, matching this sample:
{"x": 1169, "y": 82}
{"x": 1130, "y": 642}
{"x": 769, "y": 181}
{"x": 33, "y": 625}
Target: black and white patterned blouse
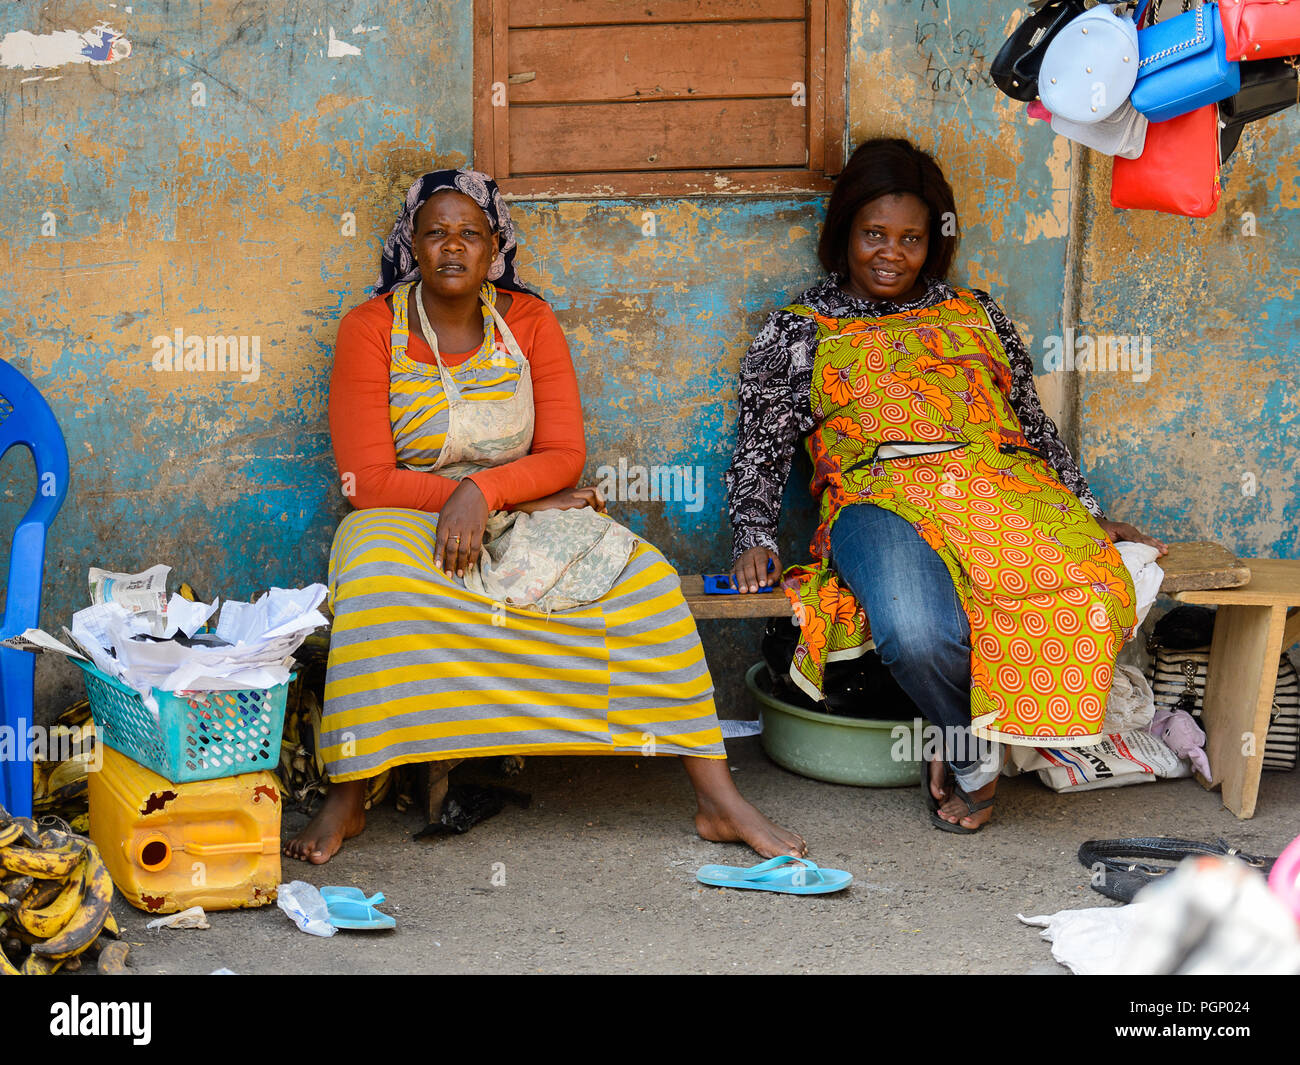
{"x": 776, "y": 404}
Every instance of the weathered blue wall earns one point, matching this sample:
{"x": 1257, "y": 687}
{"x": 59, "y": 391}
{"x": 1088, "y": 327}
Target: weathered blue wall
{"x": 1206, "y": 448}
{"x": 204, "y": 183}
{"x": 229, "y": 218}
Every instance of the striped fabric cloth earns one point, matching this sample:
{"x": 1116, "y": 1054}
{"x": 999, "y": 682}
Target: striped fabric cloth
{"x": 422, "y": 669}
{"x": 417, "y": 405}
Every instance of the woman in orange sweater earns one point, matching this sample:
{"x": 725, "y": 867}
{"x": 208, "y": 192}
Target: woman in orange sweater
{"x": 483, "y": 605}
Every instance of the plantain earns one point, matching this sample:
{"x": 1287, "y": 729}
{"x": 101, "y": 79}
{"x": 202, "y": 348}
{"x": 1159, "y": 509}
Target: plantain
{"x": 68, "y": 772}
{"x": 378, "y": 787}
{"x": 28, "y": 833}
{"x": 73, "y": 792}
{"x": 13, "y": 888}
{"x": 41, "y": 771}
{"x": 41, "y": 894}
{"x": 76, "y": 715}
{"x": 44, "y": 863}
{"x": 38, "y": 965}
{"x": 49, "y": 920}
{"x": 110, "y": 926}
{"x": 112, "y": 958}
{"x": 81, "y": 824}
{"x": 91, "y": 915}
{"x": 10, "y": 832}
{"x": 7, "y": 968}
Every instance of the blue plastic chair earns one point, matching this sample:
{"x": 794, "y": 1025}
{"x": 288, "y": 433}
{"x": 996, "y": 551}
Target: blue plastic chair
{"x": 26, "y": 419}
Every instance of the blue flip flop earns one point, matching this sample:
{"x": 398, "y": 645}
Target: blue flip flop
{"x": 777, "y": 874}
{"x": 350, "y": 908}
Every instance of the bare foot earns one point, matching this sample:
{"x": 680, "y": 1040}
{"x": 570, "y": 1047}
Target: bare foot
{"x": 342, "y": 817}
{"x": 940, "y": 780}
{"x": 740, "y": 822}
{"x": 955, "y": 811}
{"x": 725, "y": 817}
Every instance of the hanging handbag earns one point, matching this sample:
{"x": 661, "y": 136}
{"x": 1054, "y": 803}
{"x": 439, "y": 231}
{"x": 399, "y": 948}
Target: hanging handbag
{"x": 1015, "y": 67}
{"x": 1267, "y": 87}
{"x": 1183, "y": 64}
{"x": 1090, "y": 67}
{"x": 1123, "y": 133}
{"x": 1178, "y": 170}
{"x": 1260, "y": 29}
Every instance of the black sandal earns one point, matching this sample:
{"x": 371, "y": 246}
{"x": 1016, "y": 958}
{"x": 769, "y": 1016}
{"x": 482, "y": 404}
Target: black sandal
{"x": 972, "y": 807}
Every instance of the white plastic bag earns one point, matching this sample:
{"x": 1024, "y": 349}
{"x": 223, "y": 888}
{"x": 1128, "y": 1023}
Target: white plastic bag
{"x": 305, "y": 907}
{"x": 1140, "y": 560}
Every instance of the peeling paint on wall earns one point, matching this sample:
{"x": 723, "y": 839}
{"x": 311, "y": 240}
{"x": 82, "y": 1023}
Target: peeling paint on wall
{"x": 25, "y": 50}
{"x": 236, "y": 177}
{"x": 1204, "y": 449}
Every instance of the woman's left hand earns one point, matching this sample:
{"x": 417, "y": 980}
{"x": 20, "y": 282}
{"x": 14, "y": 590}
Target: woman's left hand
{"x": 1122, "y": 530}
{"x": 569, "y": 499}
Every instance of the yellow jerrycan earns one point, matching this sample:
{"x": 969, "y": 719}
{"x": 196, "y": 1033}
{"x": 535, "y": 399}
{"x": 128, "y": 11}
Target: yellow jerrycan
{"x": 210, "y": 843}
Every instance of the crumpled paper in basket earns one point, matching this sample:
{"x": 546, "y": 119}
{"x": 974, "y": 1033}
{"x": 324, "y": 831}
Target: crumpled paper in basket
{"x": 251, "y": 649}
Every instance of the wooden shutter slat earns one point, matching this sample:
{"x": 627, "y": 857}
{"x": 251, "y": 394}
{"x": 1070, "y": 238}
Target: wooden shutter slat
{"x": 623, "y": 12}
{"x": 658, "y": 135}
{"x": 837, "y": 44}
{"x": 500, "y": 75}
{"x": 608, "y": 63}
{"x": 816, "y": 30}
{"x": 484, "y": 45}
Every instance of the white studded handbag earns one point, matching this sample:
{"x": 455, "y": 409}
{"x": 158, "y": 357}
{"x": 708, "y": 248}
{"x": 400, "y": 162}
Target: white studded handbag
{"x": 1090, "y": 67}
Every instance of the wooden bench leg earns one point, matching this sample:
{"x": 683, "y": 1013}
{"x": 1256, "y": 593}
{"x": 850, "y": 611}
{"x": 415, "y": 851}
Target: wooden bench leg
{"x": 1291, "y": 634}
{"x": 1239, "y": 698}
{"x": 435, "y": 780}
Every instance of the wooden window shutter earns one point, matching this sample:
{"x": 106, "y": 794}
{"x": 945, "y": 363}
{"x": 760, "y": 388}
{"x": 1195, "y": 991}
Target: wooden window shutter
{"x": 659, "y": 97}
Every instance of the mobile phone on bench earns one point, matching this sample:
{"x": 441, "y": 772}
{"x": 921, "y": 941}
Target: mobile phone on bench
{"x": 722, "y": 584}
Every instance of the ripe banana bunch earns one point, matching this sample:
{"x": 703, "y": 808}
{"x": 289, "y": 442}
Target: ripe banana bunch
{"x": 59, "y": 788}
{"x": 55, "y": 897}
{"x": 302, "y": 769}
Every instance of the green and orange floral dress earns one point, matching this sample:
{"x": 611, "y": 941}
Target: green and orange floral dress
{"x": 1048, "y": 598}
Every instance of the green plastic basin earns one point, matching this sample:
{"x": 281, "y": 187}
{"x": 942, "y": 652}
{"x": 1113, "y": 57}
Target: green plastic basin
{"x": 842, "y": 750}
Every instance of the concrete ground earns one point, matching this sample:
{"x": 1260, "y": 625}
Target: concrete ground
{"x": 599, "y": 878}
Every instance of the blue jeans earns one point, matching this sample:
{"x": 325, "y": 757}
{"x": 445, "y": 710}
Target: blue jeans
{"x": 919, "y": 627}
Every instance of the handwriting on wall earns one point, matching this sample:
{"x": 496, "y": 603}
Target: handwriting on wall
{"x": 956, "y": 61}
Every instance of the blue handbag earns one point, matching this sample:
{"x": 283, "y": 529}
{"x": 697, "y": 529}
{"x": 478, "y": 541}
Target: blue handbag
{"x": 1183, "y": 64}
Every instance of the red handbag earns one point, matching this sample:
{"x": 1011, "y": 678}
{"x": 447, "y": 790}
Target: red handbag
{"x": 1178, "y": 170}
{"x": 1260, "y": 29}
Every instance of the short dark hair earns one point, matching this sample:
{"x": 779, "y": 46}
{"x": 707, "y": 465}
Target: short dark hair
{"x": 882, "y": 167}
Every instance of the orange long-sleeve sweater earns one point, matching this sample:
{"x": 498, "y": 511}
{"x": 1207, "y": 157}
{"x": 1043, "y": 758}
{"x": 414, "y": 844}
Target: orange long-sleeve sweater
{"x": 362, "y": 433}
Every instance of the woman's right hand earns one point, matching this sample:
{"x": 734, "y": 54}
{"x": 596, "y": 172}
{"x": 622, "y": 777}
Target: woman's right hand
{"x": 460, "y": 529}
{"x": 750, "y": 571}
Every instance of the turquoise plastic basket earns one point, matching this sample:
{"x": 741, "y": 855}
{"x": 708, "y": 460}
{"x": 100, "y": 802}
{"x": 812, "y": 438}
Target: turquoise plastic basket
{"x": 196, "y": 736}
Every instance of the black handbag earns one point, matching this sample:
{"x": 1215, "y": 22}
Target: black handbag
{"x": 1267, "y": 87}
{"x": 1015, "y": 67}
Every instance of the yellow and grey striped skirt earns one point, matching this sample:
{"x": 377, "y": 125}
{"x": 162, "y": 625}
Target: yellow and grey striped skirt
{"x": 422, "y": 669}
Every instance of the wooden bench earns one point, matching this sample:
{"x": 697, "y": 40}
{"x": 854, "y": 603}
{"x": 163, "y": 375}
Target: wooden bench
{"x": 1258, "y": 618}
{"x": 1255, "y": 622}
{"x": 1188, "y": 566}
